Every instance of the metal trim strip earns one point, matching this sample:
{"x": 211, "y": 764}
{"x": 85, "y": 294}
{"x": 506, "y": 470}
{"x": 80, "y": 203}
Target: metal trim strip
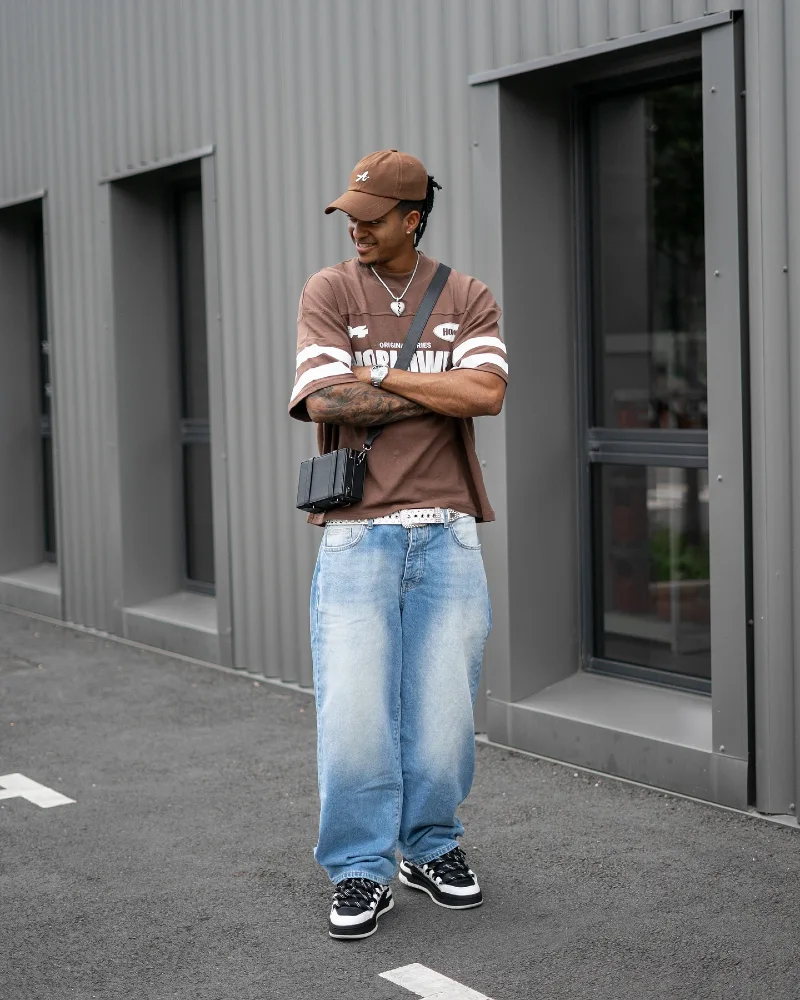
{"x": 169, "y": 161}
{"x": 23, "y": 199}
{"x": 605, "y": 48}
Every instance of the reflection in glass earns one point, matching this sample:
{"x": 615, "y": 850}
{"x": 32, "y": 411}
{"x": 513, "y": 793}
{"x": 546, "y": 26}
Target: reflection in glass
{"x": 654, "y": 566}
{"x": 649, "y": 259}
{"x": 194, "y": 343}
{"x": 45, "y": 401}
{"x": 199, "y": 513}
{"x": 49, "y": 500}
{"x": 198, "y": 506}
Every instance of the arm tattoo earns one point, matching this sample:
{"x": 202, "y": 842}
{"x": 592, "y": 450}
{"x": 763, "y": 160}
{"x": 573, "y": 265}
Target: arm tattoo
{"x": 361, "y": 405}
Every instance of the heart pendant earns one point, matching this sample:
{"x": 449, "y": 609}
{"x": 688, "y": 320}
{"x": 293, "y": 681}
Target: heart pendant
{"x": 398, "y": 308}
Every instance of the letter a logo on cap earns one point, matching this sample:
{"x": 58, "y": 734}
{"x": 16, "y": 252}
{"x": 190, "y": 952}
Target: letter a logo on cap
{"x": 363, "y": 177}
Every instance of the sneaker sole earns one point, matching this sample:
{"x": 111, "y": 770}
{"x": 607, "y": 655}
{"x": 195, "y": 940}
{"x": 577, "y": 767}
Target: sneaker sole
{"x": 360, "y": 936}
{"x": 424, "y": 888}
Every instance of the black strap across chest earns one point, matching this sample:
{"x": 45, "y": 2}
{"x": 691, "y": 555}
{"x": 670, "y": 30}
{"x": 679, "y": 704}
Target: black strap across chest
{"x": 415, "y": 331}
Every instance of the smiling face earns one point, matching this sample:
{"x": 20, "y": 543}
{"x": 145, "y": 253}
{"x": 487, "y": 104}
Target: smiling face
{"x": 388, "y": 241}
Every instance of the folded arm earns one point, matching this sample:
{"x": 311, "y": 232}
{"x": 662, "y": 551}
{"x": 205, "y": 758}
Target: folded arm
{"x": 360, "y": 404}
{"x": 460, "y": 392}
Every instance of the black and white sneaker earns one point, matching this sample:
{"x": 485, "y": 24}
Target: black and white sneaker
{"x": 448, "y": 880}
{"x": 357, "y": 904}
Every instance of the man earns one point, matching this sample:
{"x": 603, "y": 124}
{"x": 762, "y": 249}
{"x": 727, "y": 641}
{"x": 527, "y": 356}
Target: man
{"x": 399, "y": 604}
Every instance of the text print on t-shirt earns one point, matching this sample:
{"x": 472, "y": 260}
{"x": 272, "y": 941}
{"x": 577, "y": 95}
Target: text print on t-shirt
{"x": 423, "y": 361}
{"x": 446, "y": 331}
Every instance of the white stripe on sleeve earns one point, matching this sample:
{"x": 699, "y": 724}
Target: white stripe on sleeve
{"x": 468, "y": 345}
{"x": 317, "y": 349}
{"x": 476, "y": 360}
{"x": 318, "y": 374}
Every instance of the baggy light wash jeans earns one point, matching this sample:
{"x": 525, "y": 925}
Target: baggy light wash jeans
{"x": 399, "y": 619}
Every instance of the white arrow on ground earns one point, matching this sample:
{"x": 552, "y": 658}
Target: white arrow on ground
{"x": 432, "y": 985}
{"x": 17, "y": 786}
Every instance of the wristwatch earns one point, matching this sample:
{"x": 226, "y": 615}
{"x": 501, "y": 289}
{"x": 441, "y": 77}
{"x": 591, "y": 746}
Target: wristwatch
{"x": 377, "y": 374}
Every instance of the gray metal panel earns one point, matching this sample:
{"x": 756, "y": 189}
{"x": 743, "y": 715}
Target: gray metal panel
{"x": 728, "y": 463}
{"x": 593, "y": 26}
{"x": 791, "y": 40}
{"x": 624, "y": 18}
{"x": 144, "y": 320}
{"x": 216, "y": 394}
{"x": 637, "y": 731}
{"x": 655, "y": 14}
{"x": 21, "y": 526}
{"x": 574, "y": 727}
{"x": 491, "y": 433}
{"x": 604, "y": 50}
{"x": 90, "y": 88}
{"x": 539, "y": 305}
{"x": 771, "y": 392}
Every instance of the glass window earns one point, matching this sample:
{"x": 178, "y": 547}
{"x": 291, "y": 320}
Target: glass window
{"x": 649, "y": 256}
{"x": 653, "y": 568}
{"x": 45, "y": 389}
{"x": 647, "y": 390}
{"x": 194, "y": 344}
{"x": 195, "y": 426}
{"x": 198, "y": 513}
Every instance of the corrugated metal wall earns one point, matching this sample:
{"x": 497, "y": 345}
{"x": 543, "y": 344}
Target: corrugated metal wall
{"x": 291, "y": 93}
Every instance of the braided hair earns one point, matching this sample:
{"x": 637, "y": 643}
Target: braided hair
{"x": 423, "y": 207}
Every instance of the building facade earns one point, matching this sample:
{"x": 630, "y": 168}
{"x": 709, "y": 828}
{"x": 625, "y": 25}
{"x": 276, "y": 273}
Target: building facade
{"x": 624, "y": 174}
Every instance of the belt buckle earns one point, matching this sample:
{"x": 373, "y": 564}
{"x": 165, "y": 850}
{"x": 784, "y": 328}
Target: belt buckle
{"x": 412, "y": 518}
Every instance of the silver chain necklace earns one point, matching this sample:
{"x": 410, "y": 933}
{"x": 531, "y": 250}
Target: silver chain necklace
{"x": 398, "y": 307}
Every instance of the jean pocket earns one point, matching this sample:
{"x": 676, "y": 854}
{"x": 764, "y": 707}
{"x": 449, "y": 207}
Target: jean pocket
{"x": 342, "y": 536}
{"x": 465, "y": 532}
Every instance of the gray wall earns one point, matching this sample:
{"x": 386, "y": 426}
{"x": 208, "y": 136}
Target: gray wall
{"x": 291, "y": 93}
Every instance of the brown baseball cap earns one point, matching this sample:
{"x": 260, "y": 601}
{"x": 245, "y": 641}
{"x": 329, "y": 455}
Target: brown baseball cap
{"x": 379, "y": 182}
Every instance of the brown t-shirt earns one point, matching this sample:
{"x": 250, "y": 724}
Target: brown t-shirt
{"x": 345, "y": 321}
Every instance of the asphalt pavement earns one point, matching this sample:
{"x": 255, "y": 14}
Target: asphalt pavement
{"x": 184, "y": 868}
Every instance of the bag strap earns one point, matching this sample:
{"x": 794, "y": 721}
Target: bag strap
{"x": 415, "y": 331}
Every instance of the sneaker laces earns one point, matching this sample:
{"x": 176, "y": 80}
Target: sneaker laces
{"x": 451, "y": 868}
{"x": 358, "y": 893}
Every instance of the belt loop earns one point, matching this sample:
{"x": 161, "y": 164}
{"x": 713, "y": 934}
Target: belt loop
{"x": 370, "y": 522}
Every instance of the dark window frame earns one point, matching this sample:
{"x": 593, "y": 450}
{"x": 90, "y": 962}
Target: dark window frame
{"x": 192, "y": 432}
{"x": 598, "y": 445}
{"x": 45, "y": 390}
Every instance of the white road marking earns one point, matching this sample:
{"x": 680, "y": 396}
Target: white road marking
{"x": 17, "y": 786}
{"x": 425, "y": 982}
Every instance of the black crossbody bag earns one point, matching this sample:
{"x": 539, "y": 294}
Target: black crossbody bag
{"x": 337, "y": 479}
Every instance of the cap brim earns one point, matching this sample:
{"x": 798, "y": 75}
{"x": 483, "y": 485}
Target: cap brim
{"x": 362, "y": 206}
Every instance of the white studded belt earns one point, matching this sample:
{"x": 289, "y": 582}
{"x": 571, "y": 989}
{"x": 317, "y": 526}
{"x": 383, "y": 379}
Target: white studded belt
{"x": 408, "y": 518}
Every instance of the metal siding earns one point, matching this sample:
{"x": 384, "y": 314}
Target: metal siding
{"x": 791, "y": 40}
{"x": 592, "y": 21}
{"x": 89, "y": 88}
{"x": 623, "y": 18}
{"x": 655, "y": 13}
{"x": 770, "y": 361}
{"x": 685, "y": 10}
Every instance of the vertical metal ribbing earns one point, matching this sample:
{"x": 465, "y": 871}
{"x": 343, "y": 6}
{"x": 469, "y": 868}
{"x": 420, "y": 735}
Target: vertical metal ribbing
{"x": 791, "y": 41}
{"x": 113, "y": 86}
{"x": 623, "y": 18}
{"x": 592, "y": 22}
{"x": 770, "y": 403}
{"x": 564, "y": 24}
{"x": 533, "y": 29}
{"x": 655, "y": 13}
{"x": 685, "y": 10}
